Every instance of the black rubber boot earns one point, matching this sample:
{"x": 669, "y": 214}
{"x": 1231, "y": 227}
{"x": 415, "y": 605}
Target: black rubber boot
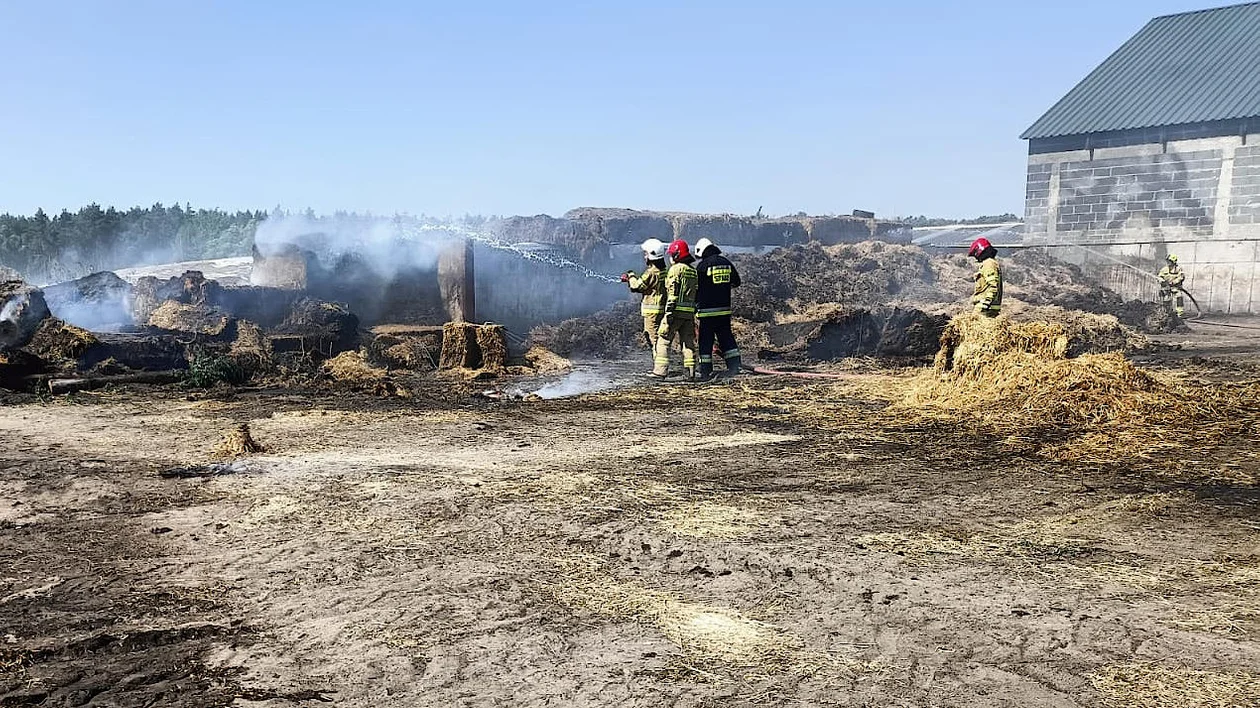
{"x": 706, "y": 372}
{"x": 733, "y": 366}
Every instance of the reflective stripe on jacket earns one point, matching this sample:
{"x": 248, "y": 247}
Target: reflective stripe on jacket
{"x": 680, "y": 290}
{"x": 1171, "y": 277}
{"x": 652, "y": 286}
{"x": 988, "y": 292}
{"x": 716, "y": 276}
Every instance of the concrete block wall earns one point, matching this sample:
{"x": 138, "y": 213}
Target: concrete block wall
{"x": 1198, "y": 198}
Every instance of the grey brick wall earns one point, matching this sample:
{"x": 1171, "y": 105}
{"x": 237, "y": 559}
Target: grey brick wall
{"x": 1102, "y": 197}
{"x": 1037, "y": 198}
{"x": 1244, "y": 203}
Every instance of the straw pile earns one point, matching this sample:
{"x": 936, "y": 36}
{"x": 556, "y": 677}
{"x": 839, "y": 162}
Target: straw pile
{"x": 194, "y": 319}
{"x": 351, "y": 370}
{"x": 238, "y": 442}
{"x": 1015, "y": 379}
{"x": 251, "y": 346}
{"x": 1154, "y": 686}
{"x": 60, "y": 342}
{"x": 545, "y": 361}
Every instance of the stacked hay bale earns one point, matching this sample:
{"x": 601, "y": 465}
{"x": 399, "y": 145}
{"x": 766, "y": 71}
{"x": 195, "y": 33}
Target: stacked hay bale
{"x": 414, "y": 348}
{"x": 479, "y": 348}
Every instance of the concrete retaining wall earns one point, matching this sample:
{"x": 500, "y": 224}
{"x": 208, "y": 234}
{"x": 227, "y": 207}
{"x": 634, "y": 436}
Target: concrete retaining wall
{"x": 1199, "y": 199}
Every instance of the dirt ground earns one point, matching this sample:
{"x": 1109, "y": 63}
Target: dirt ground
{"x": 619, "y": 549}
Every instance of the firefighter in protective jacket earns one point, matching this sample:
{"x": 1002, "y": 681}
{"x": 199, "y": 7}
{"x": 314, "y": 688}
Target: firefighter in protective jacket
{"x": 680, "y": 312}
{"x": 651, "y": 285}
{"x": 987, "y": 298}
{"x": 1171, "y": 278}
{"x": 717, "y": 276}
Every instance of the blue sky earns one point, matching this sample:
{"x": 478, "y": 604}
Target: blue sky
{"x": 903, "y": 107}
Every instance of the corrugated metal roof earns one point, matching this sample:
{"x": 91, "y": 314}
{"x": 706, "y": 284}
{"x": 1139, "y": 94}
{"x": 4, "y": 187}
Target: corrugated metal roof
{"x": 1187, "y": 68}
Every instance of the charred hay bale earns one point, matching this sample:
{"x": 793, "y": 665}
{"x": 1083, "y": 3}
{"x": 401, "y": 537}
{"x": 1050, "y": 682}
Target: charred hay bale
{"x": 94, "y": 301}
{"x": 840, "y": 333}
{"x": 22, "y": 309}
{"x": 200, "y": 319}
{"x": 911, "y": 332}
{"x": 61, "y": 343}
{"x": 405, "y": 347}
{"x": 147, "y": 351}
{"x": 610, "y": 332}
{"x": 16, "y": 365}
{"x": 330, "y": 325}
{"x": 191, "y": 288}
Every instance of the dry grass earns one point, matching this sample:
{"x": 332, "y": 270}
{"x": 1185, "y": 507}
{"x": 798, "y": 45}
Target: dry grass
{"x": 713, "y": 640}
{"x": 1154, "y": 686}
{"x": 711, "y": 520}
{"x": 196, "y": 319}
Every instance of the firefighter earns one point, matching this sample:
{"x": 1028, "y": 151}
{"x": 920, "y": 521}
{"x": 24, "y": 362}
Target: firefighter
{"x": 1171, "y": 277}
{"x": 987, "y": 298}
{"x": 716, "y": 276}
{"x": 680, "y": 312}
{"x": 651, "y": 285}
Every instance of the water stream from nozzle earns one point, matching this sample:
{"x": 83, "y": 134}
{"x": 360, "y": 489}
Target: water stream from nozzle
{"x": 422, "y": 230}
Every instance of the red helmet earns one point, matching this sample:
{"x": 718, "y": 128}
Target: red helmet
{"x": 979, "y": 246}
{"x": 678, "y": 250}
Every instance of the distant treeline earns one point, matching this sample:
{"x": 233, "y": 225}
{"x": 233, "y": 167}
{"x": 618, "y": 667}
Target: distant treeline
{"x": 917, "y": 221}
{"x": 73, "y": 244}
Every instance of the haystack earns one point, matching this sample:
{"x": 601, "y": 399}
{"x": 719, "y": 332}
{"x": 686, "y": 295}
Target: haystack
{"x": 351, "y": 370}
{"x": 545, "y": 361}
{"x": 492, "y": 343}
{"x": 970, "y": 341}
{"x": 57, "y": 341}
{"x": 22, "y": 309}
{"x": 459, "y": 346}
{"x": 405, "y": 347}
{"x": 251, "y": 348}
{"x": 198, "y": 319}
{"x": 238, "y": 442}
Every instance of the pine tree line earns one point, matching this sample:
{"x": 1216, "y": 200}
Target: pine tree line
{"x": 73, "y": 244}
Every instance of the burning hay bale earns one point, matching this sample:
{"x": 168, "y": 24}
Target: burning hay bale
{"x": 238, "y": 442}
{"x": 474, "y": 347}
{"x": 59, "y": 342}
{"x": 97, "y": 301}
{"x": 22, "y": 309}
{"x": 198, "y": 319}
{"x": 192, "y": 288}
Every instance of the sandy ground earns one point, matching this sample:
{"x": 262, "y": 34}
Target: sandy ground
{"x": 601, "y": 551}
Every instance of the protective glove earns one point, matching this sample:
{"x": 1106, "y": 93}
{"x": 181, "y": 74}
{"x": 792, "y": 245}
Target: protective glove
{"x": 625, "y": 277}
{"x": 664, "y": 328}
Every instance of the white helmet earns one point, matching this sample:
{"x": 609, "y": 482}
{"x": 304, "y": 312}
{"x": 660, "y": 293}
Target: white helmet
{"x": 654, "y": 249}
{"x": 702, "y": 245}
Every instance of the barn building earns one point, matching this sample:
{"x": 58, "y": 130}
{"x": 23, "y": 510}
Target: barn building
{"x": 1157, "y": 151}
